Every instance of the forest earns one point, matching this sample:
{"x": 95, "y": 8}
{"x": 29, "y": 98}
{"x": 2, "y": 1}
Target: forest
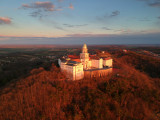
{"x": 16, "y": 63}
{"x": 131, "y": 92}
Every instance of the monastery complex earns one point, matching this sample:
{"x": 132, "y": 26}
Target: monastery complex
{"x": 85, "y": 65}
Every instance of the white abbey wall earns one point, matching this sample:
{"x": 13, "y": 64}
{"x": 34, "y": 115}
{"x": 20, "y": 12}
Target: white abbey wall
{"x": 78, "y": 72}
{"x": 97, "y": 63}
{"x": 72, "y": 72}
{"x": 108, "y": 62}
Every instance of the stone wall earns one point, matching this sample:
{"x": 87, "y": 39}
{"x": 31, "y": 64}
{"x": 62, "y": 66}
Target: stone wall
{"x": 108, "y": 62}
{"x": 97, "y": 73}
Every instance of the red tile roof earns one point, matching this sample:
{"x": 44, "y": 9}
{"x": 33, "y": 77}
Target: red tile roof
{"x": 107, "y": 58}
{"x": 77, "y": 60}
{"x": 73, "y": 56}
{"x": 94, "y": 57}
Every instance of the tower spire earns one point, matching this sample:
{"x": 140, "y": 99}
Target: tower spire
{"x": 84, "y": 56}
{"x": 84, "y": 49}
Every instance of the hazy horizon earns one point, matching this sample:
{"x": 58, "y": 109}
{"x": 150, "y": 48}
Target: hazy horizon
{"x": 111, "y": 40}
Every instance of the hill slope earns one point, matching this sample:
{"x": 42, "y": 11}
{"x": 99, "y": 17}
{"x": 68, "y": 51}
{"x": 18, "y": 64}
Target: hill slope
{"x": 127, "y": 94}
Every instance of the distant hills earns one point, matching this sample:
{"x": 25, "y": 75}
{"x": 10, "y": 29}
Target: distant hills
{"x": 71, "y": 46}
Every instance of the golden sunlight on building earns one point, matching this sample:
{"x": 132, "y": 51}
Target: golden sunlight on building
{"x": 78, "y": 67}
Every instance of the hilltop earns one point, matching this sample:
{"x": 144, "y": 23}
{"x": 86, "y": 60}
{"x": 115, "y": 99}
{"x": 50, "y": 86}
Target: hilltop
{"x": 129, "y": 93}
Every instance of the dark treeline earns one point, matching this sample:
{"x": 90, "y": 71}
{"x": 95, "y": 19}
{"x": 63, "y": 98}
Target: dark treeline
{"x": 12, "y": 71}
{"x": 17, "y": 63}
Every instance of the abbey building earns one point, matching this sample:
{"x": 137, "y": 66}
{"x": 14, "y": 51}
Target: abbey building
{"x": 85, "y": 65}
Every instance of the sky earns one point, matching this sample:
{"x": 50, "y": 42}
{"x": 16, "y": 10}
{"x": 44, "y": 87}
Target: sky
{"x": 80, "y": 21}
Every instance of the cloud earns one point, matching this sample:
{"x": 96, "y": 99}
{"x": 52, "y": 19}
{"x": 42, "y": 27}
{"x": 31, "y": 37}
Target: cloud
{"x": 37, "y": 13}
{"x": 46, "y": 6}
{"x": 87, "y": 35}
{"x": 115, "y": 13}
{"x": 4, "y": 38}
{"x": 144, "y": 19}
{"x": 69, "y": 25}
{"x": 40, "y": 9}
{"x": 124, "y": 31}
{"x": 152, "y": 3}
{"x": 158, "y": 21}
{"x": 108, "y": 16}
{"x": 155, "y": 4}
{"x": 5, "y": 20}
{"x": 105, "y": 28}
{"x": 26, "y": 6}
{"x": 71, "y": 6}
{"x": 53, "y": 24}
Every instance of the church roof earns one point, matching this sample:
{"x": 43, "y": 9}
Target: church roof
{"x": 72, "y": 63}
{"x": 94, "y": 57}
{"x": 108, "y": 58}
{"x": 77, "y": 60}
{"x": 74, "y": 56}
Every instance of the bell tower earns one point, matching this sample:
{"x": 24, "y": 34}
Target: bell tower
{"x": 84, "y": 49}
{"x": 84, "y": 56}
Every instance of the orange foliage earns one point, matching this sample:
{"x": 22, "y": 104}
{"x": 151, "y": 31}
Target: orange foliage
{"x": 127, "y": 94}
